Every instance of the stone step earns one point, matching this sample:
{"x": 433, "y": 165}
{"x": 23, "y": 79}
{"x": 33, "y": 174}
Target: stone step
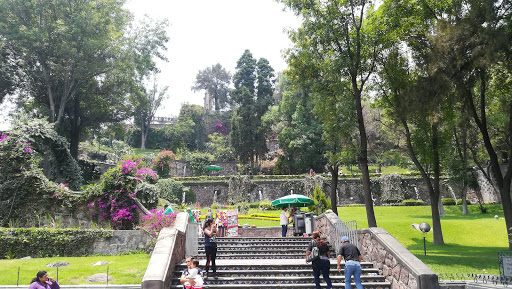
{"x": 260, "y": 239}
{"x": 286, "y": 272}
{"x": 281, "y": 279}
{"x": 367, "y": 285}
{"x": 249, "y": 246}
{"x": 301, "y": 251}
{"x": 265, "y": 264}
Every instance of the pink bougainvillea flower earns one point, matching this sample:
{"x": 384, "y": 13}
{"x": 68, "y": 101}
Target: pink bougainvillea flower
{"x": 3, "y": 137}
{"x": 28, "y": 150}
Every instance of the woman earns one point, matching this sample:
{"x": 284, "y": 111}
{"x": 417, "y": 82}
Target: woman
{"x": 321, "y": 264}
{"x": 42, "y": 281}
{"x": 210, "y": 246}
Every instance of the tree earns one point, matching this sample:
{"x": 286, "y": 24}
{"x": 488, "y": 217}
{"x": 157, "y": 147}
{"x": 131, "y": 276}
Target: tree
{"x": 59, "y": 49}
{"x": 215, "y": 80}
{"x": 343, "y": 33}
{"x": 147, "y": 103}
{"x": 252, "y": 95}
{"x": 189, "y": 131}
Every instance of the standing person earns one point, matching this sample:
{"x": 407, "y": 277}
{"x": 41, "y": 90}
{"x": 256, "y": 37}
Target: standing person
{"x": 283, "y": 220}
{"x": 352, "y": 258}
{"x": 322, "y": 264}
{"x": 185, "y": 276}
{"x": 210, "y": 247}
{"x": 209, "y": 214}
{"x": 42, "y": 281}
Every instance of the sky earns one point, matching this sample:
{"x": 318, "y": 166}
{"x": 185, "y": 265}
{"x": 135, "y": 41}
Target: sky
{"x": 205, "y": 32}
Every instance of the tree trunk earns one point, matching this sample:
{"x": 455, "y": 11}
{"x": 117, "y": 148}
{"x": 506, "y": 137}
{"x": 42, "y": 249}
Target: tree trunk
{"x": 481, "y": 122}
{"x": 363, "y": 162}
{"x": 142, "y": 136}
{"x": 75, "y": 129}
{"x": 334, "y": 186}
{"x": 434, "y": 198}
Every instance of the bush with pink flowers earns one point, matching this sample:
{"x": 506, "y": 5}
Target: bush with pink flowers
{"x": 156, "y": 221}
{"x": 113, "y": 199}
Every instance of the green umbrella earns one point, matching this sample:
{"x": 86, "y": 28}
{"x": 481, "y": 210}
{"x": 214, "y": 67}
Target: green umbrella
{"x": 214, "y": 168}
{"x": 290, "y": 200}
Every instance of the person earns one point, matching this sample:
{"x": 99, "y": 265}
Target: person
{"x": 168, "y": 210}
{"x": 352, "y": 257}
{"x": 190, "y": 216}
{"x": 209, "y": 214}
{"x": 283, "y": 220}
{"x": 194, "y": 277}
{"x": 210, "y": 247}
{"x": 185, "y": 276}
{"x": 322, "y": 264}
{"x": 42, "y": 281}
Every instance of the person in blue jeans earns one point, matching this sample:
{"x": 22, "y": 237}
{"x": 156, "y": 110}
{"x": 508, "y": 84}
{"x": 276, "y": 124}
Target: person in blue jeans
{"x": 322, "y": 264}
{"x": 352, "y": 257}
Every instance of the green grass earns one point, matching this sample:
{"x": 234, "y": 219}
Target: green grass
{"x": 125, "y": 269}
{"x": 471, "y": 241}
{"x": 140, "y": 151}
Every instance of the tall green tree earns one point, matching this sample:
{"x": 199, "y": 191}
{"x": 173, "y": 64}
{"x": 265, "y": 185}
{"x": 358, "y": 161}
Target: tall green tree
{"x": 345, "y": 34}
{"x": 252, "y": 96}
{"x": 59, "y": 49}
{"x": 215, "y": 80}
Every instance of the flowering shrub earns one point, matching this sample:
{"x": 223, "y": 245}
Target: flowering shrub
{"x": 162, "y": 163}
{"x": 114, "y": 198}
{"x": 156, "y": 221}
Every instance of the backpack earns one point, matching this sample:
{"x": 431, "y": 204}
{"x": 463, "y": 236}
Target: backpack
{"x": 315, "y": 253}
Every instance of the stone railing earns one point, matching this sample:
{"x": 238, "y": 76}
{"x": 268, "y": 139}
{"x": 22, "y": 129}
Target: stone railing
{"x": 400, "y": 267}
{"x": 169, "y": 250}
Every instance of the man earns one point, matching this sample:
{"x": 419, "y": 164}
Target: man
{"x": 352, "y": 258}
{"x": 184, "y": 276}
{"x": 283, "y": 220}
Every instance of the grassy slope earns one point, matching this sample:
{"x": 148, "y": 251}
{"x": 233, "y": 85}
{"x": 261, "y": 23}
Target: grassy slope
{"x": 125, "y": 269}
{"x": 471, "y": 241}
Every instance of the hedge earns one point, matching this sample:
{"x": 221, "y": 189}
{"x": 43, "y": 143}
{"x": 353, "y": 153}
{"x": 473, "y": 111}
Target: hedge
{"x": 448, "y": 201}
{"x": 44, "y": 242}
{"x": 412, "y": 202}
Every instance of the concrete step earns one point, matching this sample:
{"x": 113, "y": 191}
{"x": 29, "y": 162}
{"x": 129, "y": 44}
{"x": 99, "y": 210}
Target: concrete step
{"x": 265, "y": 264}
{"x": 288, "y": 279}
{"x": 368, "y": 285}
{"x": 295, "y": 272}
{"x": 273, "y": 240}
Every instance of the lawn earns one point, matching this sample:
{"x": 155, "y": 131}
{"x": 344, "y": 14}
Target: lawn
{"x": 471, "y": 241}
{"x": 125, "y": 269}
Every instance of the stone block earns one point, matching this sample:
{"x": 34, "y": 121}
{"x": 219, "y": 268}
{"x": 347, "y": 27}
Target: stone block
{"x": 396, "y": 272}
{"x": 394, "y": 284}
{"x": 413, "y": 284}
{"x": 404, "y": 276}
{"x": 385, "y": 270}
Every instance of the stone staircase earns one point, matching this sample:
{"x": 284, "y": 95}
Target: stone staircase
{"x": 268, "y": 262}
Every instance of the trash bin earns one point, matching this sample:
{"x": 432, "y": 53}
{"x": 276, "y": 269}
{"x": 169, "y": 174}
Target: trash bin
{"x": 309, "y": 223}
{"x": 299, "y": 226}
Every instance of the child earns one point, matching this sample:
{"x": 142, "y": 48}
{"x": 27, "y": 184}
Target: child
{"x": 194, "y": 275}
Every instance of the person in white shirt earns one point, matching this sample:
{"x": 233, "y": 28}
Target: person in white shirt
{"x": 283, "y": 220}
{"x": 193, "y": 274}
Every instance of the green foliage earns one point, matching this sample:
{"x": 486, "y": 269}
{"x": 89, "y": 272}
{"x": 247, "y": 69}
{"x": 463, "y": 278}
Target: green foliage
{"x": 240, "y": 188}
{"x": 157, "y": 138}
{"x": 320, "y": 198}
{"x": 198, "y": 162}
{"x": 215, "y": 80}
{"x": 459, "y": 202}
{"x": 113, "y": 198}
{"x": 162, "y": 163}
{"x": 448, "y": 201}
{"x": 44, "y": 242}
{"x": 411, "y": 202}
{"x": 218, "y": 146}
{"x": 172, "y": 190}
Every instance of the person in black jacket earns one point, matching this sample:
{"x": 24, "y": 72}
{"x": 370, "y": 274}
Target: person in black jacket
{"x": 352, "y": 257}
{"x": 322, "y": 264}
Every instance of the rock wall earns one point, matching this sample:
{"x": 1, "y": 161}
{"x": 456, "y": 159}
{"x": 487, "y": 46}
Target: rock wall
{"x": 122, "y": 241}
{"x": 179, "y": 168}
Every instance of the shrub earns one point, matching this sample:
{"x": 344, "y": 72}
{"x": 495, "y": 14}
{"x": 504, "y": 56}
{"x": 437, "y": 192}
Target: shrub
{"x": 459, "y": 202}
{"x": 198, "y": 162}
{"x": 40, "y": 243}
{"x": 162, "y": 163}
{"x": 448, "y": 201}
{"x": 214, "y": 206}
{"x": 113, "y": 199}
{"x": 411, "y": 202}
{"x": 156, "y": 221}
{"x": 171, "y": 190}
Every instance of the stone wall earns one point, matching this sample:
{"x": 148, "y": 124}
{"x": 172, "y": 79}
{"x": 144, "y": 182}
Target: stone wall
{"x": 122, "y": 241}
{"x": 263, "y": 232}
{"x": 180, "y": 168}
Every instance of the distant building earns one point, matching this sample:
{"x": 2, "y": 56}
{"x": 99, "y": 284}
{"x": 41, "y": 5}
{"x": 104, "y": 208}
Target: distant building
{"x": 161, "y": 121}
